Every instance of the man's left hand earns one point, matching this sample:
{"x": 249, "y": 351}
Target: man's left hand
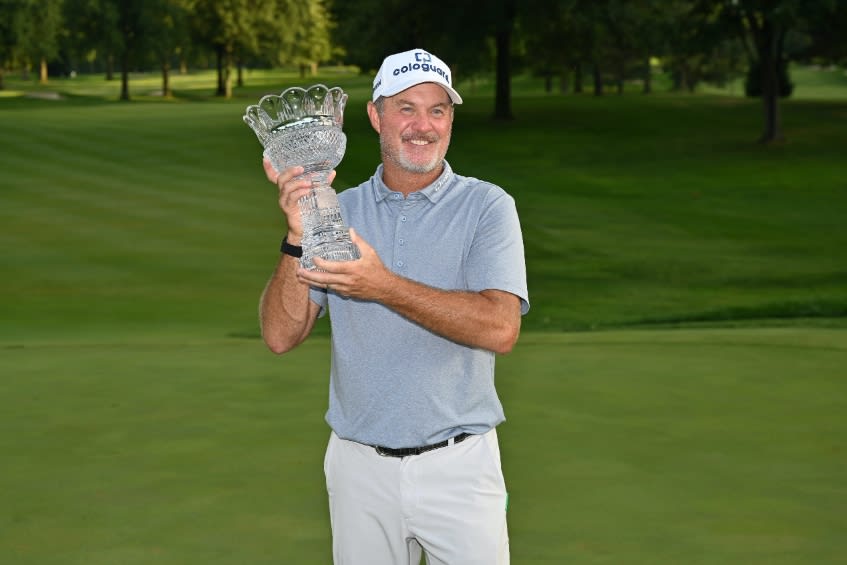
{"x": 363, "y": 278}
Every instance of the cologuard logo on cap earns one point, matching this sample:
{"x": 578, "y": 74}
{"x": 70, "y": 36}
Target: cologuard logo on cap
{"x": 405, "y": 70}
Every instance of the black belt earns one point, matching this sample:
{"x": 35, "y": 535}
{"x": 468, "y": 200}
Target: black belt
{"x": 406, "y": 451}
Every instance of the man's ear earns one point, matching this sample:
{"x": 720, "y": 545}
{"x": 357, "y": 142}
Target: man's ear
{"x": 373, "y": 115}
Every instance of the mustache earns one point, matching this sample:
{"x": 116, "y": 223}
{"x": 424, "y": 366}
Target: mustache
{"x": 428, "y": 137}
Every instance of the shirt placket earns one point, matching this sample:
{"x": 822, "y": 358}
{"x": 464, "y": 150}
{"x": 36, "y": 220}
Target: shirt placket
{"x": 403, "y": 231}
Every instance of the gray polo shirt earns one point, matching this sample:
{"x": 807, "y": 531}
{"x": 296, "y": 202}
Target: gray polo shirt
{"x": 392, "y": 382}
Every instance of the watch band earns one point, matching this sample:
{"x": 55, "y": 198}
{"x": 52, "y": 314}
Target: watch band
{"x": 293, "y": 250}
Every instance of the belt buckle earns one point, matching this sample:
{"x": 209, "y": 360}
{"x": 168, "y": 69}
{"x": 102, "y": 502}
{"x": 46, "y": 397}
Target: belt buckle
{"x": 381, "y": 450}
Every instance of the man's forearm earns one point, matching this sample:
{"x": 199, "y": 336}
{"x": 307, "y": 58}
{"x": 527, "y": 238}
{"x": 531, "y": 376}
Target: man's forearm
{"x": 285, "y": 312}
{"x": 489, "y": 319}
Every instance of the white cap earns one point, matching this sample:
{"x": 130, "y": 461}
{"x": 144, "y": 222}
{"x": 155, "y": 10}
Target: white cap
{"x": 404, "y": 70}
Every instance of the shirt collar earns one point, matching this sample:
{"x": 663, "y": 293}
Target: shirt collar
{"x": 433, "y": 192}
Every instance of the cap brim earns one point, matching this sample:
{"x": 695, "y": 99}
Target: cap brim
{"x": 401, "y": 86}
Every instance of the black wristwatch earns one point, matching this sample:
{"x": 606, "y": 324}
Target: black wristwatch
{"x": 288, "y": 249}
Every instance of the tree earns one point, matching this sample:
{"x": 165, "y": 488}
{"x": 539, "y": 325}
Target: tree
{"x": 369, "y": 30}
{"x": 697, "y": 45}
{"x": 283, "y": 31}
{"x": 476, "y": 35}
{"x": 131, "y": 29}
{"x": 221, "y": 25}
{"x": 38, "y": 25}
{"x": 93, "y": 30}
{"x": 167, "y": 22}
{"x": 646, "y": 21}
{"x": 308, "y": 44}
{"x": 628, "y": 23}
{"x": 551, "y": 45}
{"x": 763, "y": 26}
{"x": 593, "y": 34}
{"x": 828, "y": 44}
{"x": 8, "y": 34}
{"x": 504, "y": 24}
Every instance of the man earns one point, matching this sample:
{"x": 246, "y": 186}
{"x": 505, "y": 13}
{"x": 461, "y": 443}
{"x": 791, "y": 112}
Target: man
{"x": 413, "y": 462}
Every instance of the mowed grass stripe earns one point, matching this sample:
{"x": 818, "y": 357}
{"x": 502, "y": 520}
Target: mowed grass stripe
{"x": 684, "y": 446}
{"x": 709, "y": 446}
{"x": 100, "y": 189}
{"x": 634, "y": 209}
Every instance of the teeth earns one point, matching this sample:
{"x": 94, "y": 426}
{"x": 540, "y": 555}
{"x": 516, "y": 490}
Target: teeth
{"x": 418, "y": 142}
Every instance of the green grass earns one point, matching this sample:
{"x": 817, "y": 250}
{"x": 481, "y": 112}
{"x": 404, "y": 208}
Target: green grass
{"x": 635, "y": 210}
{"x": 703, "y": 425}
{"x": 810, "y": 83}
{"x": 641, "y": 447}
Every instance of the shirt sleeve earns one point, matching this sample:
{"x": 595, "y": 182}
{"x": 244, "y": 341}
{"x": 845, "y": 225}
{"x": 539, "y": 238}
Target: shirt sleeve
{"x": 496, "y": 258}
{"x": 319, "y": 297}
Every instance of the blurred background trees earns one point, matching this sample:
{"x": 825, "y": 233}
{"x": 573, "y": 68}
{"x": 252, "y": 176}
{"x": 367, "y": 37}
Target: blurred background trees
{"x": 575, "y": 45}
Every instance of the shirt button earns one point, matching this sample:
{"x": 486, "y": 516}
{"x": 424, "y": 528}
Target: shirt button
{"x": 402, "y": 241}
{"x": 400, "y": 263}
{"x": 402, "y": 218}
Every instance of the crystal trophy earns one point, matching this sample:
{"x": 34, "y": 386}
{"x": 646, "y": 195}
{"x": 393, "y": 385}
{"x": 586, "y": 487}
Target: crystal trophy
{"x": 303, "y": 127}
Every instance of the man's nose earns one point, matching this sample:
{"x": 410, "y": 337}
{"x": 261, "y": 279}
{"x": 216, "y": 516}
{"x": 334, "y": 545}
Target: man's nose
{"x": 421, "y": 122}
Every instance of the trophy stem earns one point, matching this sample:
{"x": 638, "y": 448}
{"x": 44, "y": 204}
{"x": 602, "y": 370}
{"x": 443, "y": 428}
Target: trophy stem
{"x": 324, "y": 233}
{"x": 319, "y": 177}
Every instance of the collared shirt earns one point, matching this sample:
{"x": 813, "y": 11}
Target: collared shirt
{"x": 392, "y": 382}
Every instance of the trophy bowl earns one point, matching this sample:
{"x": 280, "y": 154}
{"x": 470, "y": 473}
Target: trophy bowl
{"x": 303, "y": 127}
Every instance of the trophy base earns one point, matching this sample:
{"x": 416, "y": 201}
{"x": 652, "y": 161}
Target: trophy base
{"x": 334, "y": 251}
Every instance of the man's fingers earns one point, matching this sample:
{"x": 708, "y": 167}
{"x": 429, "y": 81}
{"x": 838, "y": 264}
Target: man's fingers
{"x": 270, "y": 172}
{"x": 279, "y": 178}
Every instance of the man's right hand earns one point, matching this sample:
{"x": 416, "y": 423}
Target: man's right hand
{"x": 291, "y": 189}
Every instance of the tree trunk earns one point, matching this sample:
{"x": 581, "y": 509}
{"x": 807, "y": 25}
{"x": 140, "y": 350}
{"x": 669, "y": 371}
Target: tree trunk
{"x": 219, "y": 56}
{"x": 684, "y": 83}
{"x": 620, "y": 76}
{"x": 577, "y": 78}
{"x": 110, "y": 67}
{"x": 125, "y": 61}
{"x": 503, "y": 42}
{"x": 228, "y": 73}
{"x": 2, "y": 78}
{"x": 166, "y": 79}
{"x": 42, "y": 75}
{"x": 769, "y": 59}
{"x": 503, "y": 96}
{"x": 563, "y": 81}
{"x": 124, "y": 77}
{"x": 648, "y": 77}
{"x": 548, "y": 82}
{"x": 598, "y": 79}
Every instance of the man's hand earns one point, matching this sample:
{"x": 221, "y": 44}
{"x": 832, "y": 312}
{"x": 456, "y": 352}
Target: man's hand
{"x": 363, "y": 278}
{"x": 292, "y": 187}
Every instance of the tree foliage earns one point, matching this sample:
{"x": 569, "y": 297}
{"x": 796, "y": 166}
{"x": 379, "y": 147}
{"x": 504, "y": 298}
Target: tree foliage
{"x": 763, "y": 27}
{"x": 138, "y": 34}
{"x": 612, "y": 41}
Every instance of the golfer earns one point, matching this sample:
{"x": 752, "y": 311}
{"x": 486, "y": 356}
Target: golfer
{"x": 413, "y": 462}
